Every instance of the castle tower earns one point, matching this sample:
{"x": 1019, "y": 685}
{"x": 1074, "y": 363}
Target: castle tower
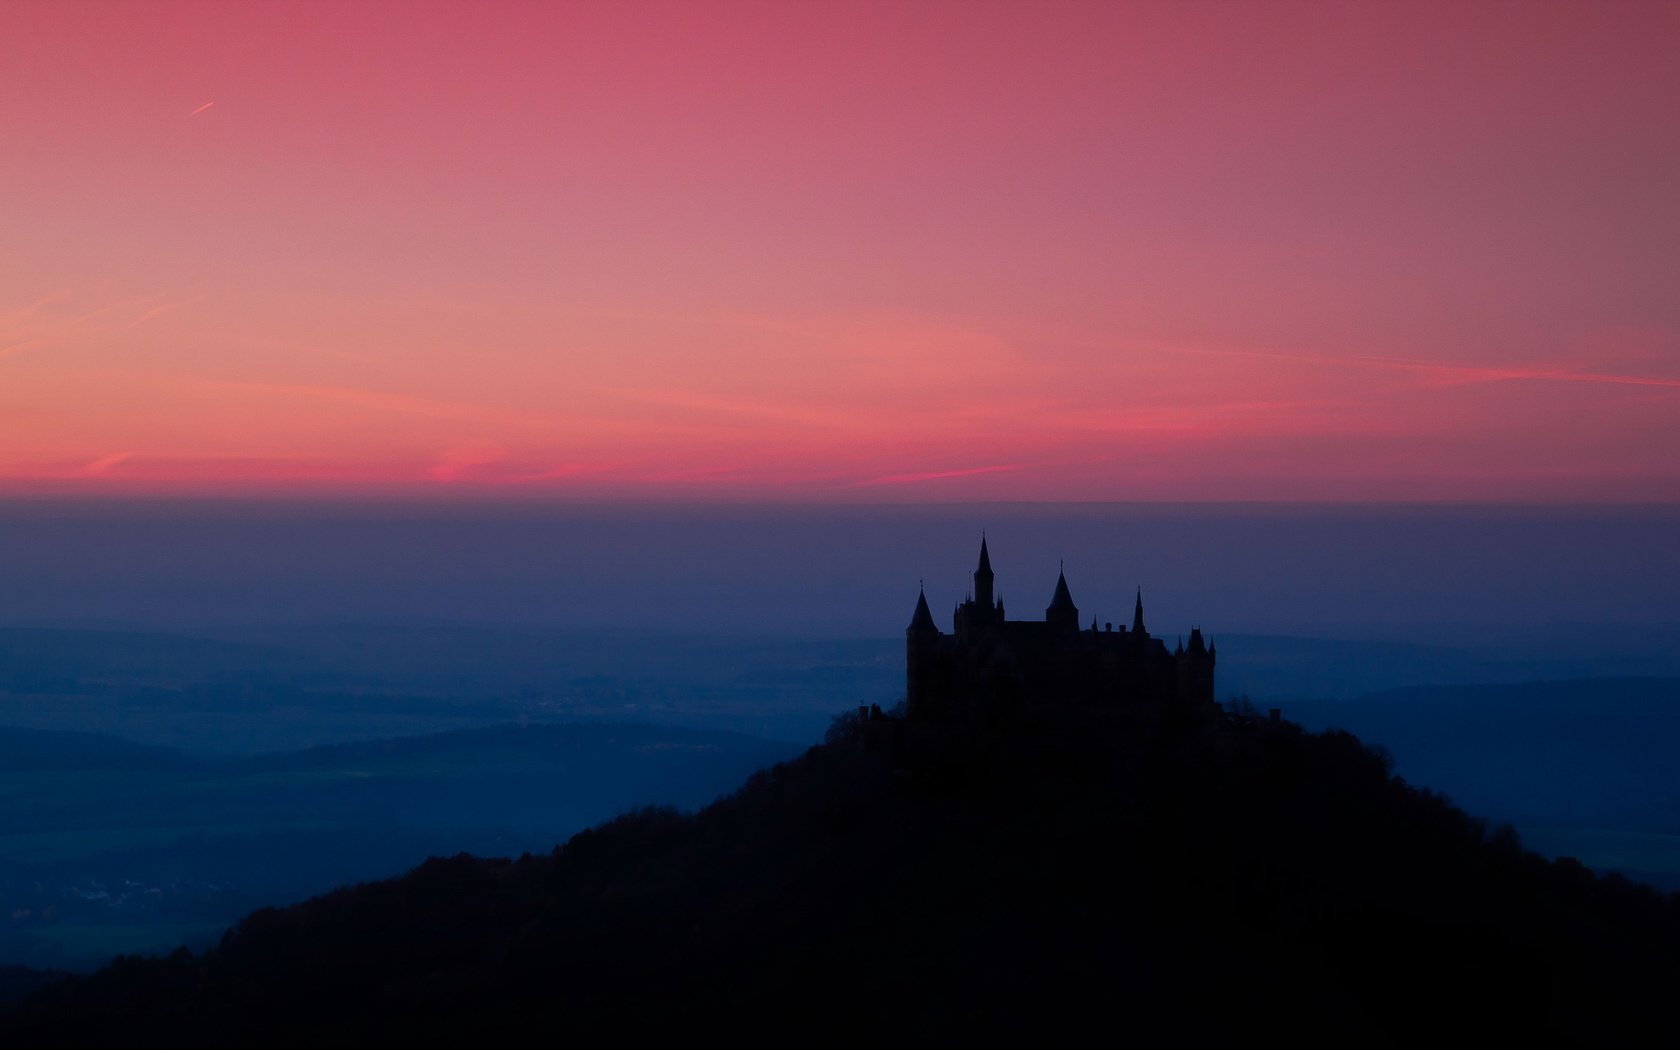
{"x": 921, "y": 622}
{"x": 983, "y": 578}
{"x": 921, "y": 640}
{"x": 981, "y": 611}
{"x": 1062, "y": 615}
{"x": 1137, "y": 617}
{"x": 1195, "y": 672}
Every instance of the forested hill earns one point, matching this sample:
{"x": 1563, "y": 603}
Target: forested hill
{"x": 1193, "y": 885}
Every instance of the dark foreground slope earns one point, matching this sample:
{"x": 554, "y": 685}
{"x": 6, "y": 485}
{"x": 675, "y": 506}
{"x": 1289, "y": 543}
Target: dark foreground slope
{"x": 1188, "y": 885}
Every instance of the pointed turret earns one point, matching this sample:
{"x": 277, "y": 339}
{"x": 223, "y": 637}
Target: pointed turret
{"x": 1137, "y": 615}
{"x": 1062, "y": 613}
{"x": 983, "y": 577}
{"x": 1063, "y": 597}
{"x": 922, "y": 621}
{"x": 1195, "y": 673}
{"x": 921, "y": 665}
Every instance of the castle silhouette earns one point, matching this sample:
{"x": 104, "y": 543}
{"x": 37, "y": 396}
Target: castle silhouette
{"x": 993, "y": 670}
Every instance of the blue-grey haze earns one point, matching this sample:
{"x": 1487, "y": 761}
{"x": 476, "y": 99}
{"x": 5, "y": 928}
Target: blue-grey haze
{"x": 1405, "y": 572}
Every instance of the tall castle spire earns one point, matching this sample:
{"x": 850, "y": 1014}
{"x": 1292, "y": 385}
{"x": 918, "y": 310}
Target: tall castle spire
{"x": 1137, "y": 614}
{"x": 983, "y": 578}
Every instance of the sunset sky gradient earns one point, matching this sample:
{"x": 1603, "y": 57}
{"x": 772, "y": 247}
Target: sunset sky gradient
{"x": 842, "y": 251}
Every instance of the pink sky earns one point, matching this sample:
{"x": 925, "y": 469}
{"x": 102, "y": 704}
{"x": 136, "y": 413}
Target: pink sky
{"x": 857, "y": 251}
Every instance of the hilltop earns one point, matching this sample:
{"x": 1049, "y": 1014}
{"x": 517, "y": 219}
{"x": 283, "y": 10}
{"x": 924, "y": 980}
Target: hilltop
{"x": 1200, "y": 883}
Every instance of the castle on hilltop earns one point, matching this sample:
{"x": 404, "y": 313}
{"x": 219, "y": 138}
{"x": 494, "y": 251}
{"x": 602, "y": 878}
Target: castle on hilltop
{"x": 991, "y": 670}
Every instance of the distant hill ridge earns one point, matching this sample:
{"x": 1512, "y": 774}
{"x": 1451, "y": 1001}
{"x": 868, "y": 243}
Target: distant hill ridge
{"x": 33, "y": 750}
{"x": 40, "y": 749}
{"x": 1184, "y": 885}
{"x": 108, "y": 846}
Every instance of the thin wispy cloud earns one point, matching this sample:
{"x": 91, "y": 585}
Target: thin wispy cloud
{"x": 103, "y": 465}
{"x": 741, "y": 408}
{"x": 561, "y": 471}
{"x": 382, "y": 401}
{"x": 22, "y": 346}
{"x": 936, "y": 475}
{"x": 24, "y": 313}
{"x": 457, "y": 463}
{"x": 35, "y": 328}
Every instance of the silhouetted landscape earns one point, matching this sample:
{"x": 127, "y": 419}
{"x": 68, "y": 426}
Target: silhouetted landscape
{"x": 1243, "y": 877}
{"x": 1028, "y": 846}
